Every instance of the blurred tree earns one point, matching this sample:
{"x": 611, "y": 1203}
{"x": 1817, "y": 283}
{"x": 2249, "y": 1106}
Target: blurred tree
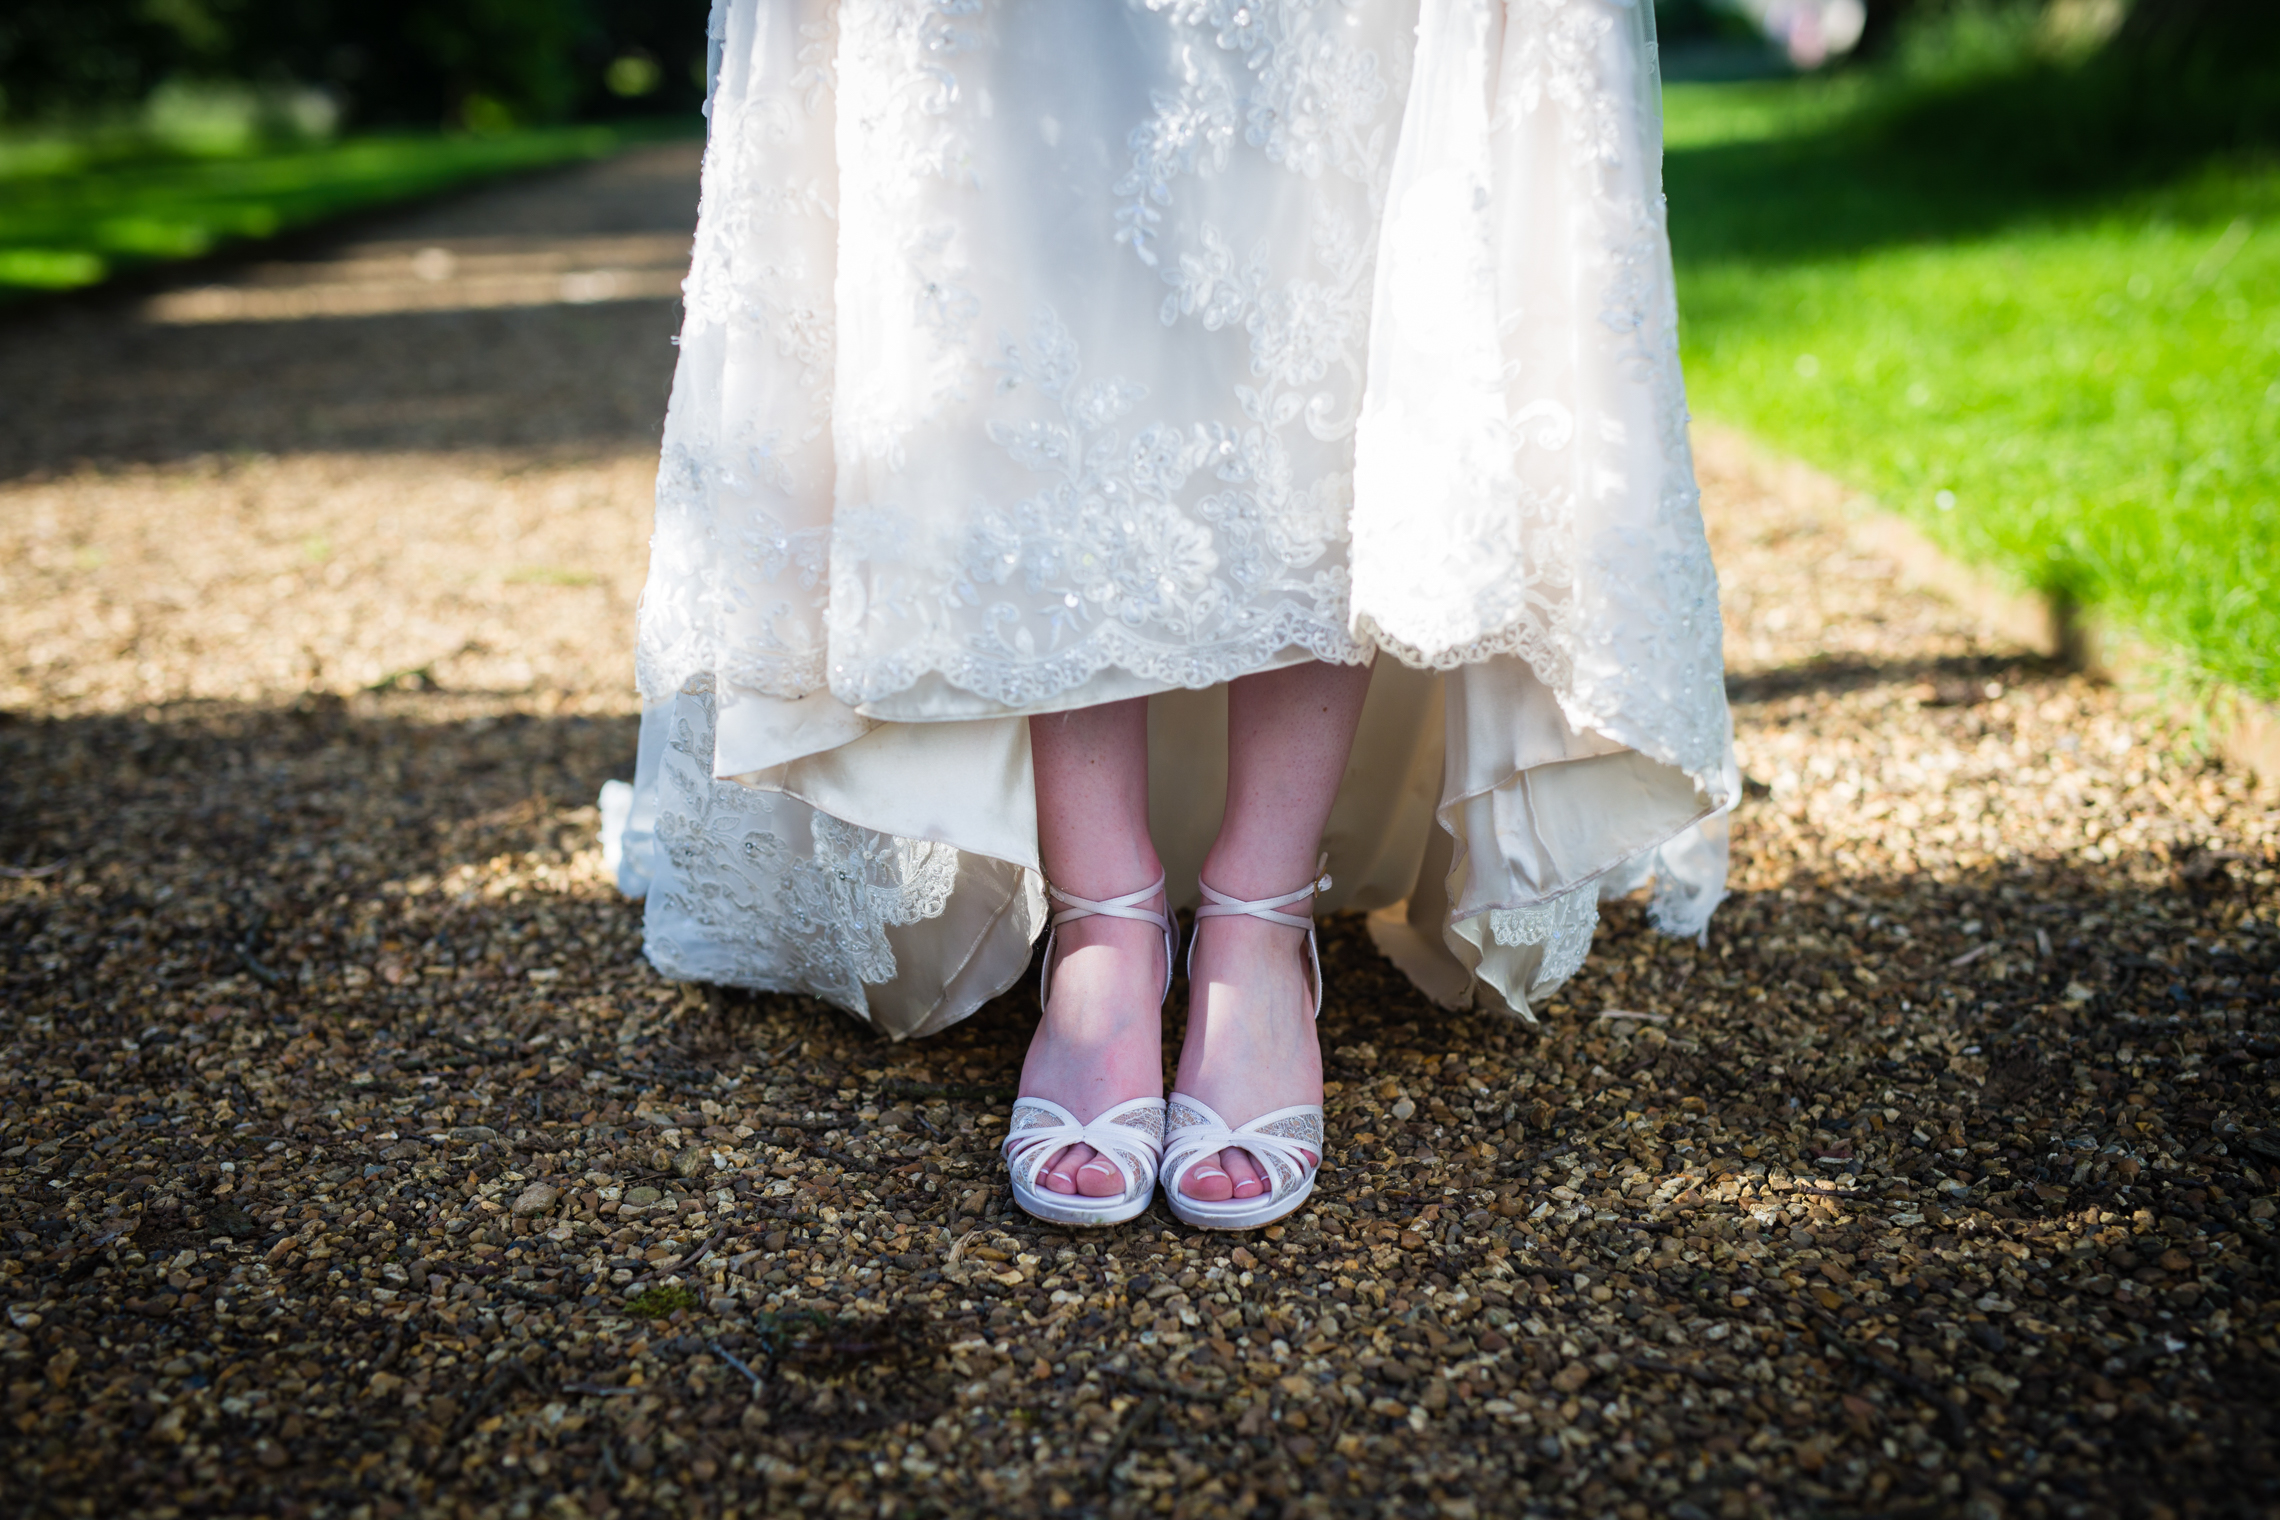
{"x": 1701, "y": 21}
{"x": 2213, "y": 31}
{"x": 667, "y": 33}
{"x": 416, "y": 62}
{"x": 1886, "y": 20}
{"x": 63, "y": 55}
{"x": 2225, "y": 33}
{"x": 2203, "y": 72}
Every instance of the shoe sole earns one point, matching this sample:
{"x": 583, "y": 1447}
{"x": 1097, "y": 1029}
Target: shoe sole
{"x": 1239, "y": 1213}
{"x": 1062, "y": 1208}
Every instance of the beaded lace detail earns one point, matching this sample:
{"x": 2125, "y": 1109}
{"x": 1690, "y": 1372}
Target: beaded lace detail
{"x": 781, "y": 897}
{"x": 1505, "y": 499}
{"x": 1358, "y": 337}
{"x": 1563, "y": 926}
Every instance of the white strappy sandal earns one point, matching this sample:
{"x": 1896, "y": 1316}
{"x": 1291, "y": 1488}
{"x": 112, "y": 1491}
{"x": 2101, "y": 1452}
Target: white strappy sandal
{"x": 1281, "y": 1140}
{"x": 1130, "y": 1136}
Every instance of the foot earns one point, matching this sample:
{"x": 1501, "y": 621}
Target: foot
{"x": 1101, "y": 1040}
{"x": 1251, "y": 1044}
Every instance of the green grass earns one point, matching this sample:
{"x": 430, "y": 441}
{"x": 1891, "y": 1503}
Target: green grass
{"x": 74, "y": 211}
{"x": 2054, "y": 348}
{"x": 661, "y": 1300}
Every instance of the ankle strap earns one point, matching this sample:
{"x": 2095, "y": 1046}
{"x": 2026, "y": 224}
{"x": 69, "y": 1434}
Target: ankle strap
{"x": 1218, "y": 904}
{"x": 1127, "y": 906}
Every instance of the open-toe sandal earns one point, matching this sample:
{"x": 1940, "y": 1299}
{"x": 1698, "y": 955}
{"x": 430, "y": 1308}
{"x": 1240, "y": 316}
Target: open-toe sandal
{"x": 1129, "y": 1137}
{"x": 1280, "y": 1141}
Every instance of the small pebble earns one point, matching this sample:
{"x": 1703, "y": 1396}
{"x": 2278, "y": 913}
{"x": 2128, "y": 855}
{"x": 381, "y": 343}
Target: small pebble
{"x": 536, "y": 1199}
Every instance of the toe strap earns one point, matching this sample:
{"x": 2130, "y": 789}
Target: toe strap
{"x": 1280, "y": 1141}
{"x": 1130, "y": 1137}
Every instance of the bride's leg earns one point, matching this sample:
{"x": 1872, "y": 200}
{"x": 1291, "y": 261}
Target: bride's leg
{"x": 1251, "y": 1046}
{"x": 1100, "y": 1041}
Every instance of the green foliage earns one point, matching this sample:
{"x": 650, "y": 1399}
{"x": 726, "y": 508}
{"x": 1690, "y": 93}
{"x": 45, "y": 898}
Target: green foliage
{"x": 75, "y": 210}
{"x": 2036, "y": 309}
{"x": 1696, "y": 21}
{"x": 660, "y": 1301}
{"x": 1949, "y": 40}
{"x": 483, "y": 64}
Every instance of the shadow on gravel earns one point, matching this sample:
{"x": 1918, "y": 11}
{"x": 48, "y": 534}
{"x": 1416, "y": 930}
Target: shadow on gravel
{"x": 103, "y": 383}
{"x": 1953, "y": 681}
{"x": 569, "y": 377}
{"x": 268, "y": 804}
{"x": 349, "y": 1141}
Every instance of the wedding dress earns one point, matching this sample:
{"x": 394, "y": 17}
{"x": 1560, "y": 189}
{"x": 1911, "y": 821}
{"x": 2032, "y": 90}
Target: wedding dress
{"x": 1042, "y": 353}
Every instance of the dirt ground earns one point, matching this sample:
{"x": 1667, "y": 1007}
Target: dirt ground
{"x": 354, "y": 1164}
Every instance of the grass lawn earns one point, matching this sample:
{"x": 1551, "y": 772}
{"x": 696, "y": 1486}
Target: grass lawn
{"x": 2076, "y": 383}
{"x": 73, "y": 212}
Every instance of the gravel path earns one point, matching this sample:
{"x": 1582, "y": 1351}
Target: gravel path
{"x": 352, "y": 1163}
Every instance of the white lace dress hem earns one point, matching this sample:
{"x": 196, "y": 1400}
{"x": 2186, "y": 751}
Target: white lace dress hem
{"x": 1039, "y": 355}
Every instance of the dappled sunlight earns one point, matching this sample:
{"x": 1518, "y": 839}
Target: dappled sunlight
{"x": 418, "y": 461}
{"x": 244, "y": 581}
{"x": 345, "y": 1128}
{"x": 533, "y": 320}
{"x": 466, "y": 274}
{"x": 1879, "y": 716}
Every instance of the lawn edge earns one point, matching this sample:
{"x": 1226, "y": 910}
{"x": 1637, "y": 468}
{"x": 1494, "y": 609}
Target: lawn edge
{"x": 140, "y": 276}
{"x": 2243, "y": 729}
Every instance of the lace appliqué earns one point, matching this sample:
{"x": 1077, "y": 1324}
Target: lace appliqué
{"x": 1523, "y": 481}
{"x": 799, "y": 899}
{"x": 903, "y": 118}
{"x": 737, "y": 563}
{"x": 1563, "y": 926}
{"x": 1310, "y": 104}
{"x": 1184, "y": 552}
{"x": 1111, "y": 564}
